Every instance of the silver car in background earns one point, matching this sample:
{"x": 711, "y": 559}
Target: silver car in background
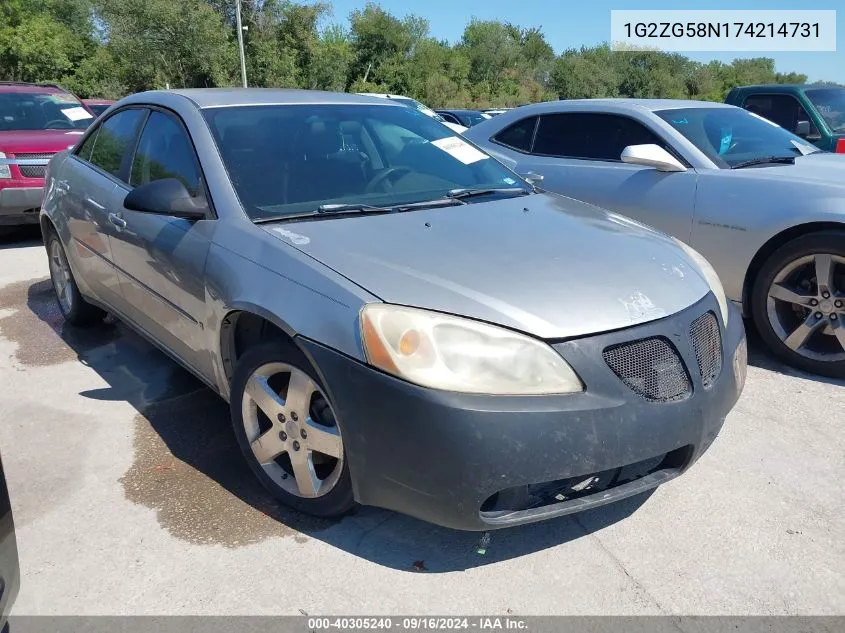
{"x": 765, "y": 207}
{"x": 395, "y": 318}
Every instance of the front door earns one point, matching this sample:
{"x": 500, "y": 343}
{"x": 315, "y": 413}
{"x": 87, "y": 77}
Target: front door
{"x": 160, "y": 258}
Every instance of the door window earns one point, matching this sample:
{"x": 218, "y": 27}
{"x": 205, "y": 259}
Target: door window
{"x": 114, "y": 140}
{"x": 164, "y": 151}
{"x": 590, "y": 136}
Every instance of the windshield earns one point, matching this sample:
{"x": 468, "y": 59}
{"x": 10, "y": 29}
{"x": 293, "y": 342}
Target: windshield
{"x": 42, "y": 111}
{"x": 730, "y": 136}
{"x": 830, "y": 102}
{"x": 292, "y": 159}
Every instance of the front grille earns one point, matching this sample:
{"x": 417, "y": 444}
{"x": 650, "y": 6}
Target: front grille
{"x": 707, "y": 344}
{"x": 651, "y": 368}
{"x": 35, "y": 156}
{"x": 33, "y": 171}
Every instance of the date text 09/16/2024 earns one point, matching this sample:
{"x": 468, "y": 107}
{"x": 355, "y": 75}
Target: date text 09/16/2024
{"x": 422, "y": 623}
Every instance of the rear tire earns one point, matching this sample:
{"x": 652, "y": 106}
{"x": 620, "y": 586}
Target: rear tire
{"x": 75, "y": 309}
{"x": 291, "y": 429}
{"x": 800, "y": 317}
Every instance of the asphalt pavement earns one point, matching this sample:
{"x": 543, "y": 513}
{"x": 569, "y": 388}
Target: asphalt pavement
{"x": 130, "y": 497}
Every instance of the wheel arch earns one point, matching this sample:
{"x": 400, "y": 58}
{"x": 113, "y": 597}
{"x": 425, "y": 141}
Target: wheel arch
{"x": 774, "y": 243}
{"x": 244, "y": 327}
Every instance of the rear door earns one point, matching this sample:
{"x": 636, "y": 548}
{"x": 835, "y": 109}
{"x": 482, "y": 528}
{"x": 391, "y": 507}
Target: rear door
{"x": 160, "y": 258}
{"x": 88, "y": 182}
{"x": 579, "y": 155}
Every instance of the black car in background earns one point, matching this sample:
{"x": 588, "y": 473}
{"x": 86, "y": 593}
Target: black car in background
{"x": 9, "y": 570}
{"x": 467, "y": 118}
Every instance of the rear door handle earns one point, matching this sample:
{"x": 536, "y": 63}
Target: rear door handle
{"x": 118, "y": 222}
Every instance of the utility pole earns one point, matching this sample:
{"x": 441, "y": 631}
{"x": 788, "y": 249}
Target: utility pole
{"x": 240, "y": 41}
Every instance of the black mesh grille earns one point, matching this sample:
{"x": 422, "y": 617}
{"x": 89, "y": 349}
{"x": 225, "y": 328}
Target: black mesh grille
{"x": 34, "y": 156}
{"x": 707, "y": 343}
{"x": 650, "y": 367}
{"x": 33, "y": 171}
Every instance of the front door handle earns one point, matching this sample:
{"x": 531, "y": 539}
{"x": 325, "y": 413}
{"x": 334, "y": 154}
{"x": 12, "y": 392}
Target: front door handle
{"x": 118, "y": 222}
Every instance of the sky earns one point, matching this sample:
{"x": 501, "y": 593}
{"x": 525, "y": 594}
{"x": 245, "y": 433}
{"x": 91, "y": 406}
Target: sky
{"x": 573, "y": 23}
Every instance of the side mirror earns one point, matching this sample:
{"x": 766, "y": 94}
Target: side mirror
{"x": 651, "y": 155}
{"x": 532, "y": 178}
{"x": 802, "y": 129}
{"x": 167, "y": 197}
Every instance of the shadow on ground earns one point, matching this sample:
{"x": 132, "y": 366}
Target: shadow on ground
{"x": 188, "y": 469}
{"x": 20, "y": 237}
{"x": 759, "y": 356}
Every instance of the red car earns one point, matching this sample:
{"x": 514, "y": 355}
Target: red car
{"x": 98, "y": 106}
{"x": 36, "y": 121}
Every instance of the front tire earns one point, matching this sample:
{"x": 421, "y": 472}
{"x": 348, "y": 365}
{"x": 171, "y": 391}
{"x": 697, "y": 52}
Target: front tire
{"x": 285, "y": 426}
{"x": 75, "y": 309}
{"x": 798, "y": 303}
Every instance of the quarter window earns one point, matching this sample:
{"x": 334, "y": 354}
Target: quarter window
{"x": 114, "y": 139}
{"x": 590, "y": 136}
{"x": 164, "y": 151}
{"x": 87, "y": 146}
{"x": 518, "y": 135}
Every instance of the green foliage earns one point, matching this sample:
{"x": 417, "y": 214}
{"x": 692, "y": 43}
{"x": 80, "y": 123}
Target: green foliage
{"x": 108, "y": 48}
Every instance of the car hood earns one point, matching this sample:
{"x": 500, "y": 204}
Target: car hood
{"x": 37, "y": 141}
{"x": 817, "y": 168}
{"x": 543, "y": 264}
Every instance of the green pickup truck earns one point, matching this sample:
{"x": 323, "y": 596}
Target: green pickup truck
{"x": 815, "y": 113}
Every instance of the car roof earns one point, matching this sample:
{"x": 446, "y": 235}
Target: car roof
{"x": 13, "y": 86}
{"x": 221, "y": 97}
{"x": 651, "y": 105}
{"x": 776, "y": 87}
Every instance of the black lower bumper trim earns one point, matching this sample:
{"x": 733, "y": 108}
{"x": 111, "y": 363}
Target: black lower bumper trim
{"x": 439, "y": 456}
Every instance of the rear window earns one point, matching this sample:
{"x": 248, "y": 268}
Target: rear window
{"x": 42, "y": 111}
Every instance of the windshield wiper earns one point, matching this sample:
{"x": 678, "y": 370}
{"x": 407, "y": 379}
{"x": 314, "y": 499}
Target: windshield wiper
{"x": 325, "y": 210}
{"x": 462, "y": 194}
{"x": 355, "y": 208}
{"x": 351, "y": 206}
{"x": 764, "y": 160}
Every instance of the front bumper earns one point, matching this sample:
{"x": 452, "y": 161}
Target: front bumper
{"x": 465, "y": 461}
{"x": 19, "y": 205}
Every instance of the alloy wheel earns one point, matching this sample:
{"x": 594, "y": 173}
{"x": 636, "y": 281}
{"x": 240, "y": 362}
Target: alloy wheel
{"x": 805, "y": 306}
{"x": 292, "y": 431}
{"x": 60, "y": 274}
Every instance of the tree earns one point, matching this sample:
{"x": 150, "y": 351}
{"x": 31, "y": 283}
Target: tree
{"x": 112, "y": 47}
{"x": 165, "y": 43}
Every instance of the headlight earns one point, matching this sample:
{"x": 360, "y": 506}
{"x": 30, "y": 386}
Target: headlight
{"x": 455, "y": 354}
{"x": 710, "y": 277}
{"x": 5, "y": 171}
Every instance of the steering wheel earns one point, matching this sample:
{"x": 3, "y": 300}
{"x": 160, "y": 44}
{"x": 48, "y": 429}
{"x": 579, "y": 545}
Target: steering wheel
{"x": 62, "y": 125}
{"x": 387, "y": 174}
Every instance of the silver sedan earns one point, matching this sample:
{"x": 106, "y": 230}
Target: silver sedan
{"x": 394, "y": 317}
{"x": 765, "y": 207}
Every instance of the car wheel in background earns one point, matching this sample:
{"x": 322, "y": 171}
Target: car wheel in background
{"x": 74, "y": 308}
{"x": 798, "y": 303}
{"x": 287, "y": 430}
